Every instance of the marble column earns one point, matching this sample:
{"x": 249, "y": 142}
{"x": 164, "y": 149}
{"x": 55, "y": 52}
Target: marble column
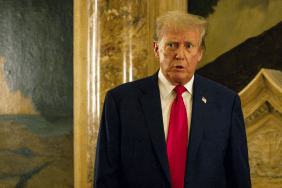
{"x": 119, "y": 49}
{"x": 80, "y": 93}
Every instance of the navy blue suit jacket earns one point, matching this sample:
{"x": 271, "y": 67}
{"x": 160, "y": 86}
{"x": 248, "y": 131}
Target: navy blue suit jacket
{"x": 131, "y": 148}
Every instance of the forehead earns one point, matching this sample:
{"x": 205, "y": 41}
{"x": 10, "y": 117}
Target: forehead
{"x": 187, "y": 34}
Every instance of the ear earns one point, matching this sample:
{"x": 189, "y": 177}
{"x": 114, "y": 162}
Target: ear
{"x": 200, "y": 55}
{"x": 156, "y": 49}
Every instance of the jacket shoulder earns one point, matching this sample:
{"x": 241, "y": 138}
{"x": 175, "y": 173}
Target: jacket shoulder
{"x": 214, "y": 86}
{"x": 135, "y": 88}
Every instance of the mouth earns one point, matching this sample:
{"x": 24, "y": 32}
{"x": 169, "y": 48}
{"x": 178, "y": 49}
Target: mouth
{"x": 179, "y": 67}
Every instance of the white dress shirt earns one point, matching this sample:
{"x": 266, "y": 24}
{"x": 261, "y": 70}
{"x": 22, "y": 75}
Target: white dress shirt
{"x": 168, "y": 96}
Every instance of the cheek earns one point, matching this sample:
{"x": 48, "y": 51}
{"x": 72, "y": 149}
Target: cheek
{"x": 196, "y": 58}
{"x": 194, "y": 63}
{"x": 166, "y": 54}
{"x": 166, "y": 58}
{"x": 163, "y": 63}
{"x": 161, "y": 55}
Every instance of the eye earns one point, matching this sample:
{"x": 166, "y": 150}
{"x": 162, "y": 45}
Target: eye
{"x": 189, "y": 46}
{"x": 171, "y": 46}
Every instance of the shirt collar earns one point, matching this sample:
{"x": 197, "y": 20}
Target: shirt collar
{"x": 166, "y": 87}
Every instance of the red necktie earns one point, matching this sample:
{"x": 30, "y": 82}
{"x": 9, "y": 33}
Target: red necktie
{"x": 177, "y": 139}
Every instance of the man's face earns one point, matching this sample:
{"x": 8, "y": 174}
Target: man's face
{"x": 179, "y": 52}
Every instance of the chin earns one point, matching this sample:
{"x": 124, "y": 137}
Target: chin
{"x": 180, "y": 76}
{"x": 183, "y": 80}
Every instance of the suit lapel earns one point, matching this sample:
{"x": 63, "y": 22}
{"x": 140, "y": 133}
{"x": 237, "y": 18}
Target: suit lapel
{"x": 198, "y": 120}
{"x": 151, "y": 104}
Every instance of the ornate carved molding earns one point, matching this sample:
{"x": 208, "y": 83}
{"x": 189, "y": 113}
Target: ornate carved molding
{"x": 265, "y": 154}
{"x": 262, "y": 109}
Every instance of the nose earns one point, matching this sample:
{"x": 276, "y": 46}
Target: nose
{"x": 180, "y": 53}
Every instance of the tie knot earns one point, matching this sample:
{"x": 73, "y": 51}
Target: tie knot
{"x": 179, "y": 89}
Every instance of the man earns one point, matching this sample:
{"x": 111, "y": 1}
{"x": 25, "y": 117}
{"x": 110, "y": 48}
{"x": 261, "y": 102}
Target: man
{"x": 152, "y": 137}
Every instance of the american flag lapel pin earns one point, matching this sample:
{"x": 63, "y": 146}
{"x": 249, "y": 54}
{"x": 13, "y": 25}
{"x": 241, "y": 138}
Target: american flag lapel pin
{"x": 204, "y": 100}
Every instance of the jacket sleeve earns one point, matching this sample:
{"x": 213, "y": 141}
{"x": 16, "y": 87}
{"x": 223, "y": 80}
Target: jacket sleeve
{"x": 236, "y": 161}
{"x": 107, "y": 152}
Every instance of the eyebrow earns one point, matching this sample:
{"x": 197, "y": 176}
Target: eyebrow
{"x": 175, "y": 41}
{"x": 171, "y": 41}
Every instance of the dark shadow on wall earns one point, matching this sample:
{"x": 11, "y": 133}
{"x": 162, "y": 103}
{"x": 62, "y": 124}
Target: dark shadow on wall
{"x": 202, "y": 7}
{"x": 237, "y": 67}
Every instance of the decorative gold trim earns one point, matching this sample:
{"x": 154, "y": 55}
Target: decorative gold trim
{"x": 80, "y": 93}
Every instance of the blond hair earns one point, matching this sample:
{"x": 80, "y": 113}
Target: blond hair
{"x": 177, "y": 20}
